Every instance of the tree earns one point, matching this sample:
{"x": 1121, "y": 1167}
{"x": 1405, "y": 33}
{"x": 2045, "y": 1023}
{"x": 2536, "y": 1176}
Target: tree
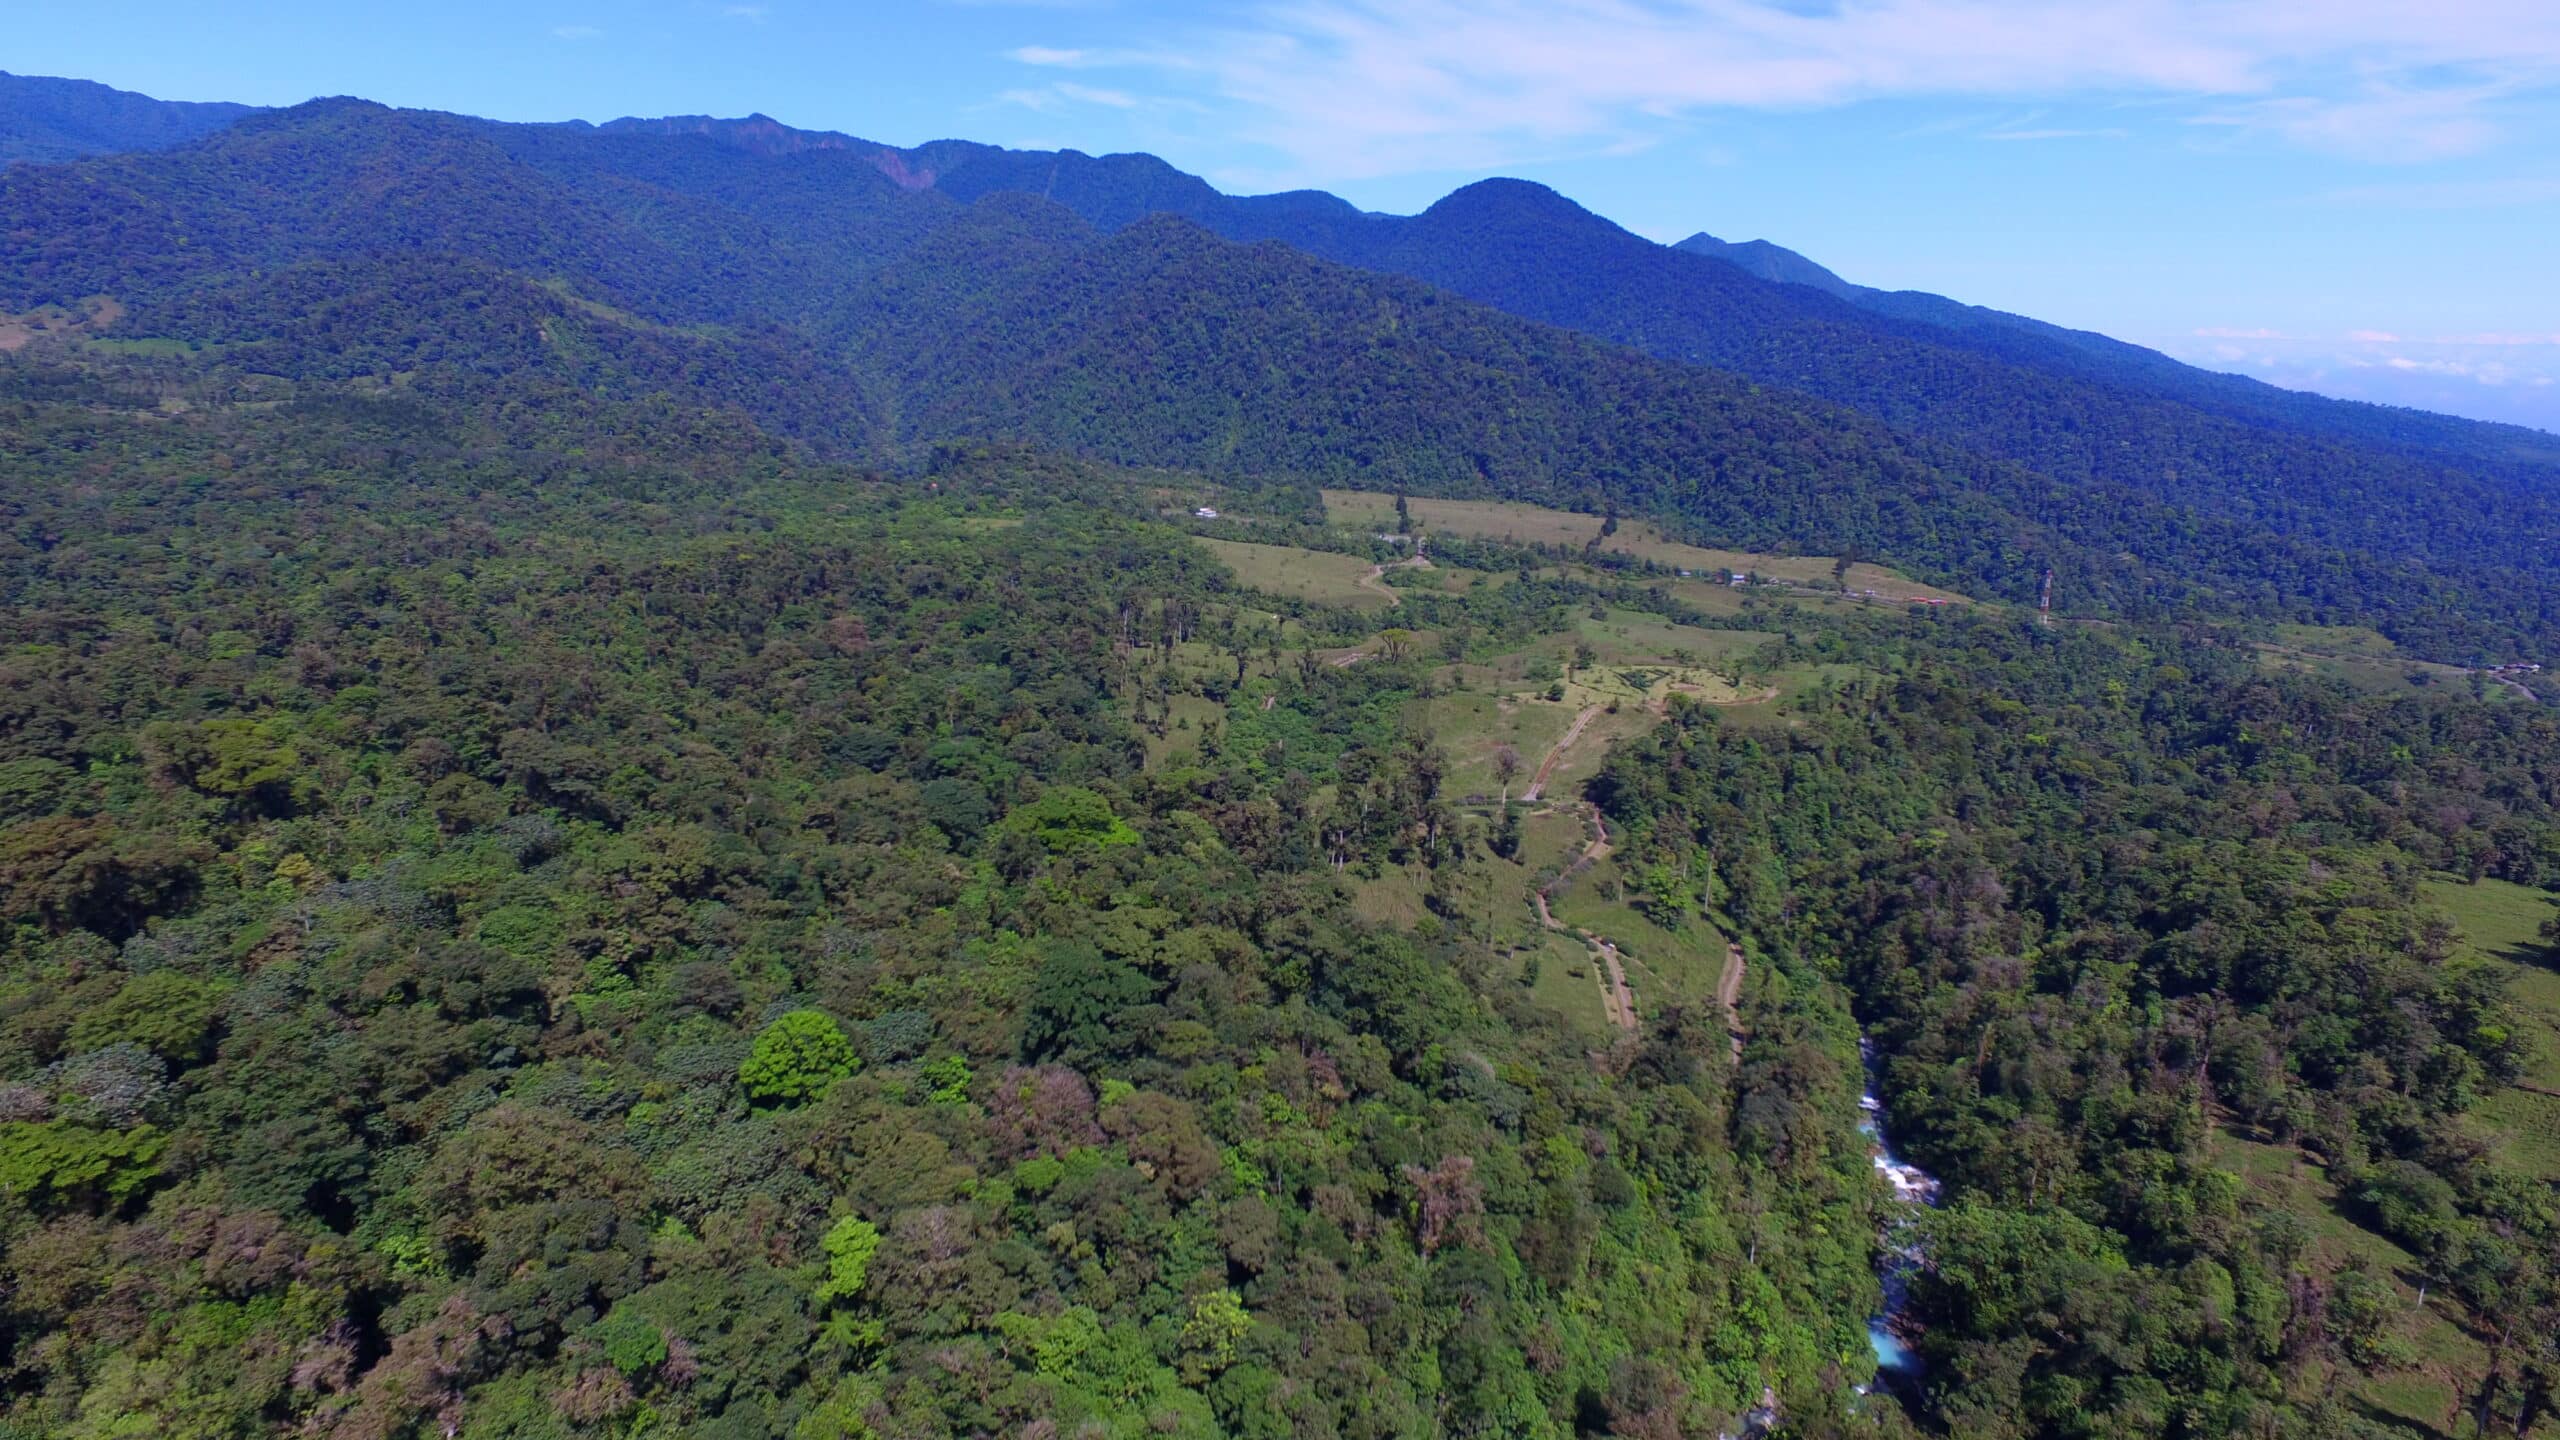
{"x": 2363, "y": 1316}
{"x": 796, "y": 1058}
{"x": 1076, "y": 999}
{"x": 164, "y": 1012}
{"x": 1071, "y": 818}
{"x": 64, "y": 1164}
{"x": 850, "y": 1243}
{"x": 1218, "y": 1320}
{"x": 1506, "y": 768}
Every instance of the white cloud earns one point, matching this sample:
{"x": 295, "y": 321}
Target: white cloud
{"x": 2384, "y": 123}
{"x": 1355, "y": 88}
{"x": 2464, "y": 373}
{"x": 753, "y": 13}
{"x": 576, "y": 32}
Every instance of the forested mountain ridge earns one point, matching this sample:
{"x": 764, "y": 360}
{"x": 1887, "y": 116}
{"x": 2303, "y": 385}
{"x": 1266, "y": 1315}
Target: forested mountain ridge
{"x": 1573, "y": 268}
{"x": 809, "y": 251}
{"x": 1116, "y": 190}
{"x": 44, "y": 119}
{"x": 2099, "y": 358}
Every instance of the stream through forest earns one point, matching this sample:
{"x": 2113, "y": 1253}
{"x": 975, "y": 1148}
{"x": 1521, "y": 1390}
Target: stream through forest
{"x": 1897, "y": 1364}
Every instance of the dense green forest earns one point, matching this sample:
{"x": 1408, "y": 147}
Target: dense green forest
{"x": 2099, "y": 900}
{"x": 573, "y": 922}
{"x": 657, "y": 788}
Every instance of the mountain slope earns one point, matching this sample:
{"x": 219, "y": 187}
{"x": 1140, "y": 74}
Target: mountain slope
{"x": 2113, "y": 362}
{"x": 1627, "y": 290}
{"x": 44, "y": 120}
{"x": 848, "y": 299}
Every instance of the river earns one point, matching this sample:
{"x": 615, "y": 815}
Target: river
{"x": 1897, "y": 1364}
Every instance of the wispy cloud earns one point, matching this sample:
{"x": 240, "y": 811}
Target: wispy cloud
{"x": 2385, "y": 122}
{"x": 576, "y": 32}
{"x": 2453, "y": 194}
{"x": 1066, "y": 92}
{"x": 2108, "y": 133}
{"x": 2431, "y": 371}
{"x": 1370, "y": 87}
{"x": 754, "y": 14}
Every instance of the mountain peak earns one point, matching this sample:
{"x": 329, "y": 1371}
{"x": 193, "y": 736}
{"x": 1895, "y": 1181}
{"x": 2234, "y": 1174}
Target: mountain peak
{"x": 1509, "y": 199}
{"x": 1771, "y": 262}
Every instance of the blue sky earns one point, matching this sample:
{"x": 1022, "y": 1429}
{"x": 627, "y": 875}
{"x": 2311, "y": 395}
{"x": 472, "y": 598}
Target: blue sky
{"x": 2358, "y": 196}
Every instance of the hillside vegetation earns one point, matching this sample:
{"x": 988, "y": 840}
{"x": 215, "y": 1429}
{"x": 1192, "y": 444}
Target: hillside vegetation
{"x": 635, "y": 801}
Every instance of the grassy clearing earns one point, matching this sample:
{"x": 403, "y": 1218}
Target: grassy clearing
{"x": 1182, "y": 735}
{"x": 1537, "y": 524}
{"x": 1315, "y": 575}
{"x": 2499, "y": 923}
{"x": 1472, "y": 728}
{"x": 1556, "y": 969}
{"x": 1661, "y": 964}
{"x": 2369, "y": 674}
{"x": 2444, "y": 1357}
{"x": 2357, "y": 640}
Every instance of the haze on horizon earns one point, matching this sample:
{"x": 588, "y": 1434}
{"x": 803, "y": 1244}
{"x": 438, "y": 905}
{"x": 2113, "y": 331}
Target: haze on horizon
{"x": 2349, "y": 197}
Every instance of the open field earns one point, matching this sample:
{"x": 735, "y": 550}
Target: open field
{"x": 2370, "y": 673}
{"x": 1316, "y": 575}
{"x": 1659, "y": 963}
{"x": 2356, "y": 640}
{"x": 1537, "y": 524}
{"x": 1558, "y": 970}
{"x": 93, "y": 315}
{"x": 2498, "y": 922}
{"x": 1472, "y": 727}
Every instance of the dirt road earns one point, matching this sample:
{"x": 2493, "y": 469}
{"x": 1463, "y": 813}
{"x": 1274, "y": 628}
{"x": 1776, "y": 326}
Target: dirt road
{"x": 1547, "y": 767}
{"x": 1729, "y": 994}
{"x": 1617, "y": 997}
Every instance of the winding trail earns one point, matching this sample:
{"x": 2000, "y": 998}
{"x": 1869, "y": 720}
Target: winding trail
{"x": 1729, "y": 994}
{"x": 1376, "y": 580}
{"x": 1617, "y": 997}
{"x": 1547, "y": 767}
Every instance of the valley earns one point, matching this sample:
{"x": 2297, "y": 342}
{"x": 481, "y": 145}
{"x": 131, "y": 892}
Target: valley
{"x": 685, "y": 777}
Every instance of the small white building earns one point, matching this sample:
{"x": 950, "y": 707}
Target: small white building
{"x": 1206, "y": 513}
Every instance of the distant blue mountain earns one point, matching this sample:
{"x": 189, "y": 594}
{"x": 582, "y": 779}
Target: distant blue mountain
{"x": 1955, "y": 371}
{"x": 45, "y": 120}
